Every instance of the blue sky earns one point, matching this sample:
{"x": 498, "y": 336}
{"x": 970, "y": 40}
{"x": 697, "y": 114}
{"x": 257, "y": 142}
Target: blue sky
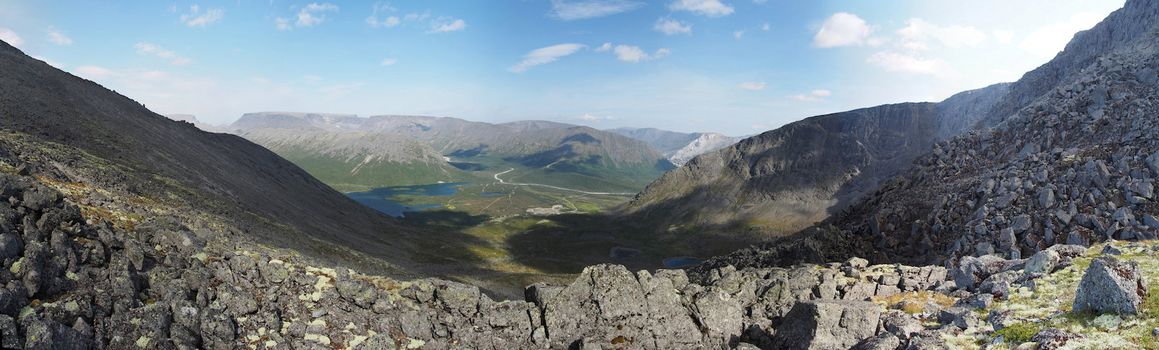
{"x": 733, "y": 66}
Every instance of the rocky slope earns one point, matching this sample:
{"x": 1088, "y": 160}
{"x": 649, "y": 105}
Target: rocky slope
{"x": 678, "y": 147}
{"x": 787, "y": 179}
{"x": 704, "y": 143}
{"x": 1077, "y": 165}
{"x": 544, "y": 152}
{"x": 70, "y": 130}
{"x": 77, "y": 274}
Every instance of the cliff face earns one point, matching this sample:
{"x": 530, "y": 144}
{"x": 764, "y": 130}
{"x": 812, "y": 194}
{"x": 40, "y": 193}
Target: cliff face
{"x": 1075, "y": 165}
{"x": 786, "y": 179}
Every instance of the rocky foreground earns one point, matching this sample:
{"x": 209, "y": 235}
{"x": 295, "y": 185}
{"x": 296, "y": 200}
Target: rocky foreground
{"x": 79, "y": 273}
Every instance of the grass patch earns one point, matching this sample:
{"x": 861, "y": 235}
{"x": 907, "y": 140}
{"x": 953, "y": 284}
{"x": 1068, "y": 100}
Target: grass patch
{"x": 915, "y": 302}
{"x": 1019, "y": 333}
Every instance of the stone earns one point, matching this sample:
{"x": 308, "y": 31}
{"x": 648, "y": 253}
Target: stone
{"x": 960, "y": 317}
{"x": 1046, "y": 198}
{"x": 1053, "y": 338}
{"x": 10, "y": 338}
{"x": 1042, "y": 262}
{"x": 824, "y": 324}
{"x": 884, "y": 341}
{"x": 1111, "y": 250}
{"x": 1110, "y": 286}
{"x": 1020, "y": 224}
{"x": 900, "y": 324}
{"x": 977, "y": 301}
{"x": 971, "y": 271}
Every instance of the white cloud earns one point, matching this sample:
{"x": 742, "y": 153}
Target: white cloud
{"x": 670, "y": 26}
{"x": 197, "y": 18}
{"x": 738, "y": 34}
{"x": 912, "y": 64}
{"x": 634, "y": 54}
{"x": 447, "y": 24}
{"x": 576, "y": 10}
{"x": 1004, "y": 37}
{"x": 604, "y": 48}
{"x": 842, "y": 29}
{"x": 381, "y": 9}
{"x": 53, "y": 63}
{"x": 144, "y": 48}
{"x": 314, "y": 14}
{"x": 389, "y": 62}
{"x": 765, "y": 27}
{"x": 283, "y": 24}
{"x": 918, "y": 33}
{"x": 812, "y": 96}
{"x": 588, "y": 117}
{"x": 752, "y": 85}
{"x": 10, "y": 37}
{"x": 56, "y": 37}
{"x": 710, "y": 8}
{"x": 94, "y": 72}
{"x": 1047, "y": 41}
{"x": 545, "y": 55}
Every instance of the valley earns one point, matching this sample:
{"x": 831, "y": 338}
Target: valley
{"x": 530, "y": 198}
{"x": 1018, "y": 215}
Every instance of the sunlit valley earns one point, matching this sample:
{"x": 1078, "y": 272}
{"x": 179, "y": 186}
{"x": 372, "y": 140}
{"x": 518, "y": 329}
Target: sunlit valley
{"x": 579, "y": 174}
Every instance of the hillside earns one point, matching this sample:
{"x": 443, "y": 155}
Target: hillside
{"x": 1075, "y": 165}
{"x": 358, "y": 161}
{"x": 540, "y": 152}
{"x": 678, "y": 147}
{"x": 73, "y": 132}
{"x": 784, "y": 180}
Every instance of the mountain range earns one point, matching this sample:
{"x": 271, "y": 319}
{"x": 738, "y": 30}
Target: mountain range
{"x": 397, "y": 150}
{"x": 678, "y": 147}
{"x": 121, "y": 228}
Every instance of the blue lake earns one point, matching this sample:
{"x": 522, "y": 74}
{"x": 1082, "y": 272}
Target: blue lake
{"x": 382, "y": 199}
{"x": 681, "y": 262}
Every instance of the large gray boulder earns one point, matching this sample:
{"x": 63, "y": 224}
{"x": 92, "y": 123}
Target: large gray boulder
{"x": 1110, "y": 286}
{"x": 827, "y": 324}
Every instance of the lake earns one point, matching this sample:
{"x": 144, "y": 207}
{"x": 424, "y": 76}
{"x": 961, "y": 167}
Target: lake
{"x": 681, "y": 262}
{"x": 382, "y": 199}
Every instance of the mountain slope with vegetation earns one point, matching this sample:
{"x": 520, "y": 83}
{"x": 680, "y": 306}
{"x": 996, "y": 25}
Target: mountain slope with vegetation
{"x": 540, "y": 152}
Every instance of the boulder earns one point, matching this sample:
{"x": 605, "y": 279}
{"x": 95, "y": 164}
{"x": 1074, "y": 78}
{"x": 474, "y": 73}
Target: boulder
{"x": 1041, "y": 262}
{"x": 827, "y": 324}
{"x": 1110, "y": 286}
{"x": 1053, "y": 338}
{"x": 885, "y": 341}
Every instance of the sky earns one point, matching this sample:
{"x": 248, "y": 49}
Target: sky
{"x": 734, "y": 66}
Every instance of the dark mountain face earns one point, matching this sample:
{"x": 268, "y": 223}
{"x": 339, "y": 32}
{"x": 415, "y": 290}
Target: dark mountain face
{"x": 77, "y": 131}
{"x": 786, "y": 179}
{"x": 1075, "y": 163}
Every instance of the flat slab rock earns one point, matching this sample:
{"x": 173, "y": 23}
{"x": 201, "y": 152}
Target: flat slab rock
{"x": 824, "y": 325}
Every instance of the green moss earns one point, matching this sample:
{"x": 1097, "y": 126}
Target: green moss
{"x": 1019, "y": 333}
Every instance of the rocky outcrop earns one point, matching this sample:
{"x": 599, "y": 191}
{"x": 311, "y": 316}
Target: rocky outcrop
{"x": 1110, "y": 286}
{"x": 784, "y": 180}
{"x": 704, "y": 143}
{"x": 1072, "y": 166}
{"x": 81, "y": 278}
{"x": 828, "y": 325}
